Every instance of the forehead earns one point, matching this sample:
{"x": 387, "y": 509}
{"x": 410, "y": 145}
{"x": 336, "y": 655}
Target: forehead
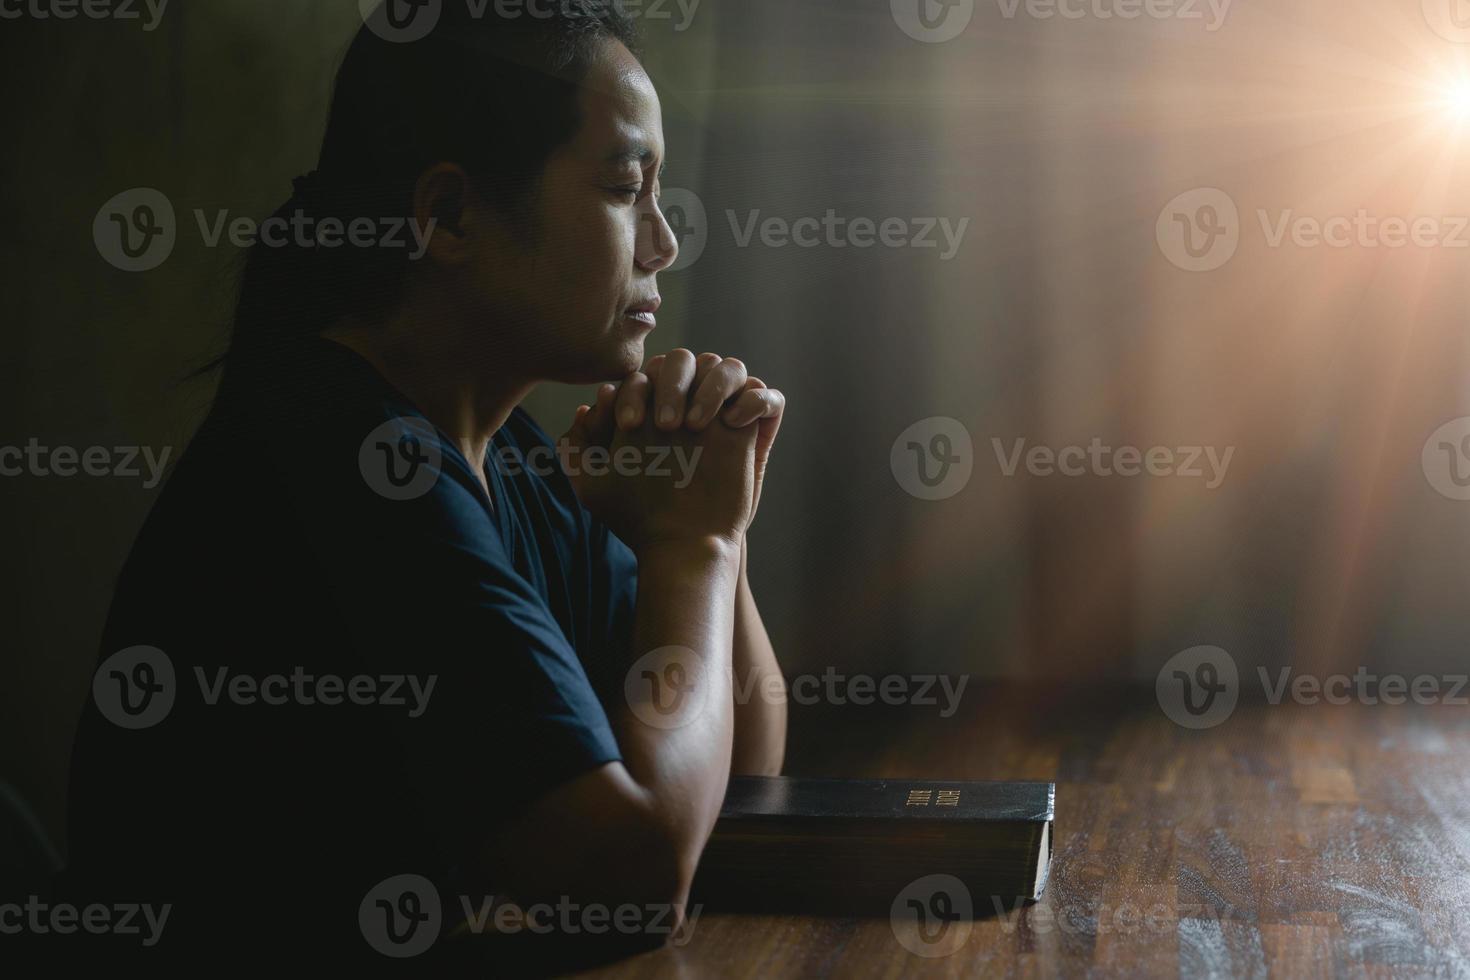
{"x": 621, "y": 116}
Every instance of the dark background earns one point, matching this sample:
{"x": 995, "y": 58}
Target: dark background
{"x": 1059, "y": 320}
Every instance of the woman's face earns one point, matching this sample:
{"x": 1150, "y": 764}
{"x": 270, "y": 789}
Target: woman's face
{"x": 581, "y": 288}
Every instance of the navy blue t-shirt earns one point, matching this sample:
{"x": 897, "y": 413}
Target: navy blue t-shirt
{"x": 367, "y": 663}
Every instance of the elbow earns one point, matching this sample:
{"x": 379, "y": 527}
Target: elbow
{"x": 648, "y": 873}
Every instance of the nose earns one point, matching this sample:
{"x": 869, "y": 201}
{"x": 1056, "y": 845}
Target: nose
{"x": 657, "y": 245}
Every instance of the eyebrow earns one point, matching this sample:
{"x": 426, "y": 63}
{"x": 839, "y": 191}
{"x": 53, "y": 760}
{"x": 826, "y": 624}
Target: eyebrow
{"x": 639, "y": 153}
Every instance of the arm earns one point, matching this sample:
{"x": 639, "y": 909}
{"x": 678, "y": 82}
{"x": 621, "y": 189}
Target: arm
{"x": 760, "y": 710}
{"x": 631, "y": 832}
{"x": 699, "y": 390}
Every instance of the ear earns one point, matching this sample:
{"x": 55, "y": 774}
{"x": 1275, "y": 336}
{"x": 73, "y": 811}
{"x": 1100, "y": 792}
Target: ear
{"x": 445, "y": 208}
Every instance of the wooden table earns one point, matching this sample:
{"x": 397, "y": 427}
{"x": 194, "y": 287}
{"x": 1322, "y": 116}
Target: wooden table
{"x": 1290, "y": 841}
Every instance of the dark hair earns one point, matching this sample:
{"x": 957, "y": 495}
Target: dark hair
{"x": 402, "y": 105}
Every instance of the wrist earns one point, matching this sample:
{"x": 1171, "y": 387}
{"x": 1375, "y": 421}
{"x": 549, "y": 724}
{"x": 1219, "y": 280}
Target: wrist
{"x": 699, "y": 549}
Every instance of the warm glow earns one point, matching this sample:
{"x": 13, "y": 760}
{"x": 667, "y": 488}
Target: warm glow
{"x": 1456, "y": 99}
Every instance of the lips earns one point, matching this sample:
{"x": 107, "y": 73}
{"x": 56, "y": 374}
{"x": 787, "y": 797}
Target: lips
{"x": 644, "y": 312}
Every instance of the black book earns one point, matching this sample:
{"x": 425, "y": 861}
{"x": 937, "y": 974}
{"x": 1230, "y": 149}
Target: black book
{"x": 815, "y": 845}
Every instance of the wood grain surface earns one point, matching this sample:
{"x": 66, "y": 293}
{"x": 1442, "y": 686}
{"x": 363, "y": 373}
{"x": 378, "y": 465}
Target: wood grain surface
{"x": 1290, "y": 841}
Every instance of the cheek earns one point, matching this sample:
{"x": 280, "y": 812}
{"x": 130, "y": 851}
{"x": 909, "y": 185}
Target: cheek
{"x": 596, "y": 263}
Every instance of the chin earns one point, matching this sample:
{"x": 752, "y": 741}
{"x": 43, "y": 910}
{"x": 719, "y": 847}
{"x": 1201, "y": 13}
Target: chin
{"x": 613, "y": 365}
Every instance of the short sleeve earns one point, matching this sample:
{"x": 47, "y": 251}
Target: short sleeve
{"x": 426, "y": 587}
{"x": 614, "y": 600}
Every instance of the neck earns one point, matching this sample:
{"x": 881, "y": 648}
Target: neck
{"x": 469, "y": 397}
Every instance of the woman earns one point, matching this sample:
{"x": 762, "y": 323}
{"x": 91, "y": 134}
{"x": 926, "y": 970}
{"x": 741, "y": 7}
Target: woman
{"x": 361, "y": 635}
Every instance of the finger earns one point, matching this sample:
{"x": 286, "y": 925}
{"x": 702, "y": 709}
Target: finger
{"x": 671, "y": 391}
{"x": 577, "y": 432}
{"x": 753, "y": 405}
{"x": 652, "y": 368}
{"x": 632, "y": 401}
{"x": 599, "y": 422}
{"x": 724, "y": 380}
{"x": 703, "y": 365}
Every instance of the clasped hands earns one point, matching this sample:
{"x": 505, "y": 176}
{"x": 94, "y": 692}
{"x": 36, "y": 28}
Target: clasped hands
{"x": 708, "y": 409}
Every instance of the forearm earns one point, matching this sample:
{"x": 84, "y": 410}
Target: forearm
{"x": 760, "y": 689}
{"x": 676, "y": 726}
